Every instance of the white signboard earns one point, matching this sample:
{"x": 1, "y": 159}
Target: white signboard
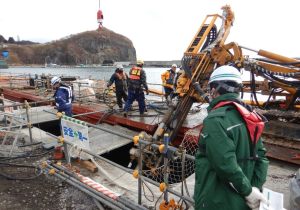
{"x": 76, "y": 131}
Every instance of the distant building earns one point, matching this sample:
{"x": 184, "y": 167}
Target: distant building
{"x": 108, "y": 63}
{"x": 124, "y": 63}
{"x": 162, "y": 63}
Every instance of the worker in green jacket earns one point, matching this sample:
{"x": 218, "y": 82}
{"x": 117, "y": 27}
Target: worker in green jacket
{"x": 231, "y": 166}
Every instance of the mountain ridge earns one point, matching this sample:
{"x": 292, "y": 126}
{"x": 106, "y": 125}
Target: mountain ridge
{"x": 89, "y": 47}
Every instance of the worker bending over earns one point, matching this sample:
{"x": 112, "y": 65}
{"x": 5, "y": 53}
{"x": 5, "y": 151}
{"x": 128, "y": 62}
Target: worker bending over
{"x": 63, "y": 96}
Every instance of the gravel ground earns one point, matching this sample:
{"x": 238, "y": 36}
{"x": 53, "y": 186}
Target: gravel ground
{"x": 41, "y": 193}
{"x": 47, "y": 192}
{"x": 279, "y": 176}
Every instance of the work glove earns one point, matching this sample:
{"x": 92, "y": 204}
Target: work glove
{"x": 254, "y": 198}
{"x": 59, "y": 114}
{"x": 147, "y": 92}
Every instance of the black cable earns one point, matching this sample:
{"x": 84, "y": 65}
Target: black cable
{"x": 27, "y": 155}
{"x": 20, "y": 166}
{"x": 152, "y": 194}
{"x": 274, "y": 75}
{"x": 145, "y": 115}
{"x": 276, "y": 62}
{"x": 267, "y": 102}
{"x": 286, "y": 82}
{"x": 253, "y": 89}
{"x": 31, "y": 144}
{"x": 17, "y": 165}
{"x": 105, "y": 115}
{"x": 158, "y": 200}
{"x": 20, "y": 178}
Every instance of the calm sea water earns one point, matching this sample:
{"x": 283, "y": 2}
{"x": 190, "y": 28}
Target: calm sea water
{"x": 153, "y": 74}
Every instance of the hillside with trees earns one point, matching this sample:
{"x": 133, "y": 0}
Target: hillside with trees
{"x": 91, "y": 47}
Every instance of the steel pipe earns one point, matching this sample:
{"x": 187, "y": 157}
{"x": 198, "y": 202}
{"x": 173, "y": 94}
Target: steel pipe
{"x": 125, "y": 204}
{"x": 86, "y": 190}
{"x": 127, "y": 137}
{"x": 126, "y": 170}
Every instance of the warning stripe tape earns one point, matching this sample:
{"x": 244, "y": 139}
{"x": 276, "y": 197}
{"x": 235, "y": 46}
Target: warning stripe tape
{"x": 98, "y": 187}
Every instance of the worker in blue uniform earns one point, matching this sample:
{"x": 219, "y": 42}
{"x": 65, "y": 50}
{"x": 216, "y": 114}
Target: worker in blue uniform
{"x": 63, "y": 96}
{"x": 136, "y": 83}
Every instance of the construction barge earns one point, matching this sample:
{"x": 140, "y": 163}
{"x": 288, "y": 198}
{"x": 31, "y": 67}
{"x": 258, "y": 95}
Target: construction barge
{"x": 280, "y": 137}
{"x": 29, "y": 111}
{"x": 115, "y": 143}
{"x": 147, "y": 162}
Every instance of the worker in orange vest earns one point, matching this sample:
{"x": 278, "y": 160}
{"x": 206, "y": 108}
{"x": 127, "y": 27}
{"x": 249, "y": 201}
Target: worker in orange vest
{"x": 136, "y": 86}
{"x": 168, "y": 79}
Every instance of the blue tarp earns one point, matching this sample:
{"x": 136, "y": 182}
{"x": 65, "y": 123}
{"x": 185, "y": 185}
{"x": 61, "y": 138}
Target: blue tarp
{"x": 5, "y": 53}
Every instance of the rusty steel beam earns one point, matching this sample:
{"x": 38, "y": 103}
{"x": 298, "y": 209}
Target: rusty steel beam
{"x": 280, "y": 141}
{"x": 284, "y": 130}
{"x": 20, "y": 96}
{"x": 282, "y": 153}
{"x": 111, "y": 119}
{"x": 280, "y": 138}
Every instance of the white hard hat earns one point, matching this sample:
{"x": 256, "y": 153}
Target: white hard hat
{"x": 226, "y": 73}
{"x": 139, "y": 62}
{"x": 174, "y": 65}
{"x": 119, "y": 66}
{"x": 55, "y": 80}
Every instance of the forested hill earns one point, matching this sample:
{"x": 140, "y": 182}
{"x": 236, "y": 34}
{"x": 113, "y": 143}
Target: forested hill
{"x": 91, "y": 47}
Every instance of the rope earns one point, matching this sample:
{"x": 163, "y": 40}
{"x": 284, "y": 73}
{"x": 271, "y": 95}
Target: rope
{"x": 30, "y": 155}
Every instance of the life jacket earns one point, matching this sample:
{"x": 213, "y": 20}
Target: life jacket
{"x": 168, "y": 76}
{"x": 121, "y": 75}
{"x": 255, "y": 123}
{"x": 135, "y": 73}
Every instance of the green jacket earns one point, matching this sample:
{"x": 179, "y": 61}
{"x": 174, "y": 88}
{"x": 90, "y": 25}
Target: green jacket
{"x": 223, "y": 175}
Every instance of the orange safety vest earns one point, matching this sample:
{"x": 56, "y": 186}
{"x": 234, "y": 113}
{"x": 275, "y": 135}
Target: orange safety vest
{"x": 168, "y": 77}
{"x": 135, "y": 73}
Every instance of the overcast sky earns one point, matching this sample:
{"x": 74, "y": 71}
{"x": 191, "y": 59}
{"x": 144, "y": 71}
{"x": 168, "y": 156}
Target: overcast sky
{"x": 159, "y": 29}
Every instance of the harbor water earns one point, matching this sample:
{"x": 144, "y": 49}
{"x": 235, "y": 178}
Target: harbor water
{"x": 153, "y": 74}
{"x": 103, "y": 73}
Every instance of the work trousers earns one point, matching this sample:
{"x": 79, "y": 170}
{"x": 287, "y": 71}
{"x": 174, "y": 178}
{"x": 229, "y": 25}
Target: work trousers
{"x": 135, "y": 94}
{"x": 67, "y": 111}
{"x": 121, "y": 95}
{"x": 168, "y": 92}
